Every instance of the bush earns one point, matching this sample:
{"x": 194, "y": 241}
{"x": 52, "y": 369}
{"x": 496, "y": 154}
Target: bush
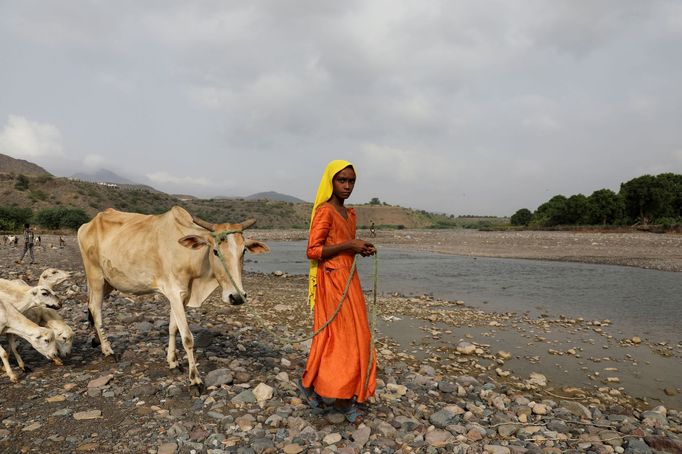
{"x": 522, "y": 217}
{"x": 59, "y": 218}
{"x": 22, "y": 183}
{"x": 14, "y": 218}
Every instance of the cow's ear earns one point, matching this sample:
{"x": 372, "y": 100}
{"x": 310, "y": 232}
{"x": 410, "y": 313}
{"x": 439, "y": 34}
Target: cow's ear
{"x": 193, "y": 242}
{"x": 256, "y": 247}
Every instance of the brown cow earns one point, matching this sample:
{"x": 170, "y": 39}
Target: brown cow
{"x": 172, "y": 254}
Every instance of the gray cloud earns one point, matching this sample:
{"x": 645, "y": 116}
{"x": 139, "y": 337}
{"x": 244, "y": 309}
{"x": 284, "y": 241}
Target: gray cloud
{"x": 461, "y": 107}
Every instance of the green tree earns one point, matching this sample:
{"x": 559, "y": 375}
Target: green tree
{"x": 375, "y": 201}
{"x": 21, "y": 183}
{"x": 552, "y": 212}
{"x": 14, "y": 218}
{"x": 522, "y": 217}
{"x": 605, "y": 207}
{"x": 671, "y": 188}
{"x": 644, "y": 198}
{"x": 60, "y": 218}
{"x": 576, "y": 210}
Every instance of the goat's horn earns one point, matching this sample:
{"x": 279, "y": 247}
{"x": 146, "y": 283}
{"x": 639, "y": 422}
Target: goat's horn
{"x": 248, "y": 223}
{"x": 202, "y": 223}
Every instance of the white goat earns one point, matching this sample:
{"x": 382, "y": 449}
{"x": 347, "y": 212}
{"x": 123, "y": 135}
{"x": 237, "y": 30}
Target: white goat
{"x": 42, "y": 339}
{"x": 52, "y": 277}
{"x": 23, "y": 296}
{"x": 41, "y": 313}
{"x": 48, "y": 318}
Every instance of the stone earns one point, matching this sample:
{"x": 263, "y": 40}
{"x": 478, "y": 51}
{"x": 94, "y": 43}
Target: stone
{"x": 495, "y": 449}
{"x": 577, "y": 409}
{"x": 669, "y": 391}
{"x": 438, "y": 438}
{"x": 507, "y": 430}
{"x": 263, "y": 392}
{"x": 537, "y": 379}
{"x": 636, "y": 340}
{"x": 611, "y": 438}
{"x": 540, "y": 409}
{"x": 90, "y": 414}
{"x": 100, "y": 382}
{"x": 219, "y": 377}
{"x": 260, "y": 445}
{"x": 400, "y": 390}
{"x": 332, "y": 438}
{"x": 167, "y": 448}
{"x": 637, "y": 446}
{"x": 57, "y": 398}
{"x": 245, "y": 422}
{"x": 665, "y": 444}
{"x": 654, "y": 419}
{"x": 244, "y": 397}
{"x": 504, "y": 355}
{"x": 336, "y": 417}
{"x": 445, "y": 416}
{"x": 466, "y": 348}
{"x": 361, "y": 436}
{"x": 32, "y": 427}
{"x": 386, "y": 430}
{"x": 293, "y": 448}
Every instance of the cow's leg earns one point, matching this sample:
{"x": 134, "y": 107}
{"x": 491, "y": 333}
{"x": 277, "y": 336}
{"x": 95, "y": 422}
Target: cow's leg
{"x": 13, "y": 346}
{"x": 96, "y": 291}
{"x": 171, "y": 357}
{"x": 178, "y": 313}
{"x": 5, "y": 362}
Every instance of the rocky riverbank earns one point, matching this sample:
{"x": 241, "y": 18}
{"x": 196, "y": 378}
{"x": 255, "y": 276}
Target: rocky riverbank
{"x": 461, "y": 394}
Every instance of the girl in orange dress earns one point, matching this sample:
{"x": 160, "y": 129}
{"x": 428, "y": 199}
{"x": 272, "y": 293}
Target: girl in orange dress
{"x": 339, "y": 357}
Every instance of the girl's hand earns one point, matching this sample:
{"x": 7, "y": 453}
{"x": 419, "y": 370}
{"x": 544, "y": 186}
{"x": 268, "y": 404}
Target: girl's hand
{"x": 367, "y": 249}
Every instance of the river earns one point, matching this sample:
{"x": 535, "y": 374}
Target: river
{"x": 637, "y": 301}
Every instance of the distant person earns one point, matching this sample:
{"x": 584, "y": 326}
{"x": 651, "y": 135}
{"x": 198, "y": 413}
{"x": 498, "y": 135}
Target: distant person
{"x": 28, "y": 243}
{"x": 372, "y": 230}
{"x": 61, "y": 242}
{"x": 39, "y": 240}
{"x": 338, "y": 365}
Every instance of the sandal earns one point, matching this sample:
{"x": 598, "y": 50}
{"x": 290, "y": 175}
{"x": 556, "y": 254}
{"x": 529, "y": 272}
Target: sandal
{"x": 308, "y": 394}
{"x": 354, "y": 414}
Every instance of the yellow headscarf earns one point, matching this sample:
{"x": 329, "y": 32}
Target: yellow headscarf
{"x": 324, "y": 192}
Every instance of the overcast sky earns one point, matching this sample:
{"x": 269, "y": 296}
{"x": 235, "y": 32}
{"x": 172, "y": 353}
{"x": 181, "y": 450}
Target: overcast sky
{"x": 462, "y": 107}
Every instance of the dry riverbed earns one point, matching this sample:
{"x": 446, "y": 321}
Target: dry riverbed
{"x": 453, "y": 388}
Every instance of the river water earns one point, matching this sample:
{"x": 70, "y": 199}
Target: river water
{"x": 646, "y": 303}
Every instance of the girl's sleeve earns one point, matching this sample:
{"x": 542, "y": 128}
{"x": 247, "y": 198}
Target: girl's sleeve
{"x": 319, "y": 230}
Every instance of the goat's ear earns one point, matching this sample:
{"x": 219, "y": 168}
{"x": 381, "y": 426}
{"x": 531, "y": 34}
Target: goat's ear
{"x": 256, "y": 247}
{"x": 193, "y": 242}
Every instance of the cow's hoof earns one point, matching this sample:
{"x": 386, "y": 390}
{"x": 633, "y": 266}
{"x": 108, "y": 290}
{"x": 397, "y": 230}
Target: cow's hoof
{"x": 196, "y": 389}
{"x": 178, "y": 369}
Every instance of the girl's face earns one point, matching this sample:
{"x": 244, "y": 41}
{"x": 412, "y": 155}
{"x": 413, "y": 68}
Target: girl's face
{"x": 343, "y": 183}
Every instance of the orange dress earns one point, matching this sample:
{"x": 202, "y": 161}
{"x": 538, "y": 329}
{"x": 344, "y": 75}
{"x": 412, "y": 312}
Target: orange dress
{"x": 339, "y": 355}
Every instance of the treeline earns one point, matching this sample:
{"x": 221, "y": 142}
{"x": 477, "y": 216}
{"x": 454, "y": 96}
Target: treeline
{"x": 644, "y": 200}
{"x": 14, "y": 218}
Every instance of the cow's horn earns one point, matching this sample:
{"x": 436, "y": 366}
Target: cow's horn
{"x": 202, "y": 223}
{"x": 248, "y": 223}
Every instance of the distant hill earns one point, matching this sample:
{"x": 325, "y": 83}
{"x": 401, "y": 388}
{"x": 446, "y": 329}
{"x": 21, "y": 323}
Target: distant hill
{"x": 272, "y": 195}
{"x": 42, "y": 191}
{"x": 104, "y": 176}
{"x": 9, "y": 164}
